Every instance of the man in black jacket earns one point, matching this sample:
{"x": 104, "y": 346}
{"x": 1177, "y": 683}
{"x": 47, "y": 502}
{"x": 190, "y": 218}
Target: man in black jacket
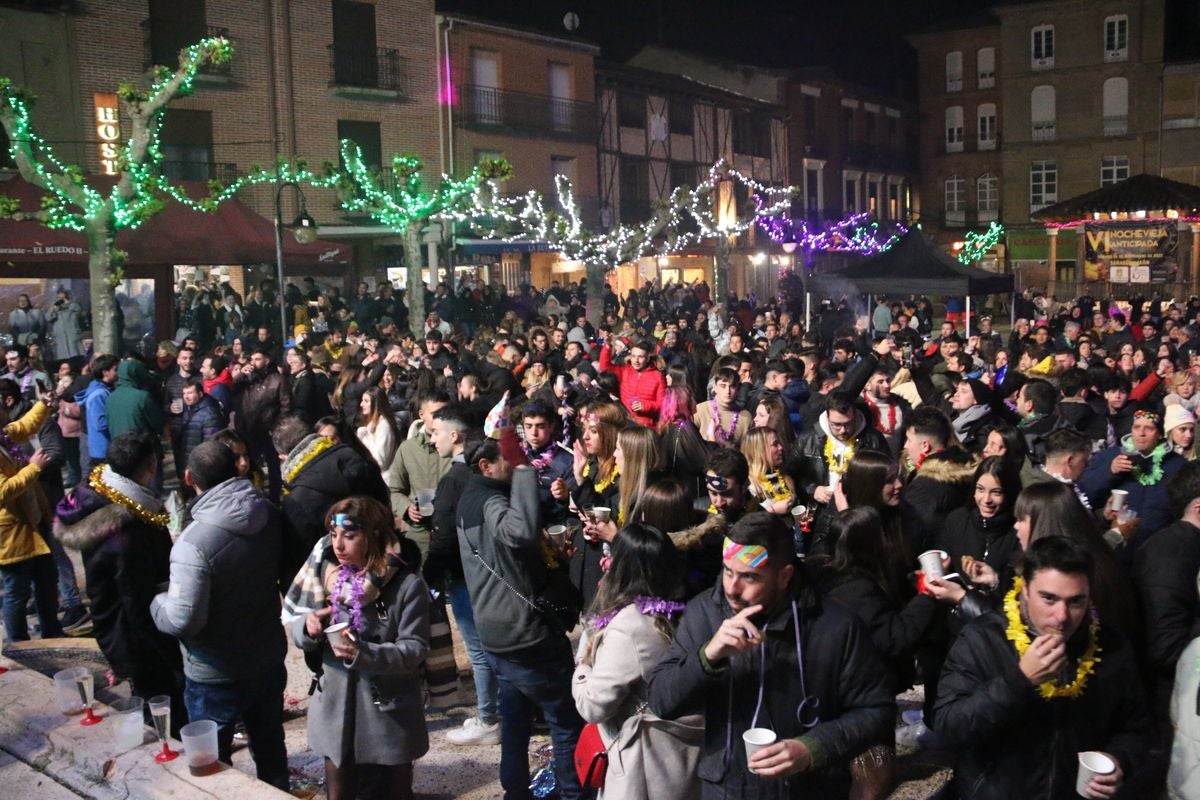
{"x": 762, "y": 649}
{"x": 1021, "y": 698}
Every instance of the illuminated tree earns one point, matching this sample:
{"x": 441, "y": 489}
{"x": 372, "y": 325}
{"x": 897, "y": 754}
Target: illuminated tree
{"x": 138, "y": 192}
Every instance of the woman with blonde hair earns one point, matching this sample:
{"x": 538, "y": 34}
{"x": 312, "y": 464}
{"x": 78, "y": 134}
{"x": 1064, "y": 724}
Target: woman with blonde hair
{"x": 638, "y": 457}
{"x": 597, "y": 479}
{"x": 764, "y": 453}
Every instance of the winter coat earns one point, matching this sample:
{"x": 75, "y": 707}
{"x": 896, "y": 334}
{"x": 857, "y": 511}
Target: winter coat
{"x": 131, "y": 407}
{"x": 1183, "y": 778}
{"x": 311, "y": 390}
{"x": 1151, "y": 502}
{"x": 380, "y": 442}
{"x": 223, "y": 602}
{"x": 646, "y": 385}
{"x": 93, "y": 400}
{"x": 125, "y": 560}
{"x": 260, "y": 401}
{"x": 196, "y": 424}
{"x": 503, "y": 526}
{"x": 1165, "y": 570}
{"x": 334, "y": 474}
{"x": 585, "y": 564}
{"x": 966, "y": 532}
{"x": 373, "y": 707}
{"x": 416, "y": 465}
{"x": 647, "y": 757}
{"x": 841, "y": 671}
{"x": 23, "y": 504}
{"x": 1013, "y": 743}
{"x": 64, "y": 326}
{"x": 443, "y": 561}
{"x": 941, "y": 484}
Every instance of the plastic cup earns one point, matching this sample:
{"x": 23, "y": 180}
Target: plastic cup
{"x": 1118, "y": 499}
{"x": 756, "y": 739}
{"x": 425, "y": 502}
{"x": 602, "y": 513}
{"x": 1092, "y": 764}
{"x": 336, "y": 634}
{"x": 798, "y": 513}
{"x": 200, "y": 743}
{"x": 66, "y": 689}
{"x": 128, "y": 726}
{"x": 558, "y": 535}
{"x": 931, "y": 563}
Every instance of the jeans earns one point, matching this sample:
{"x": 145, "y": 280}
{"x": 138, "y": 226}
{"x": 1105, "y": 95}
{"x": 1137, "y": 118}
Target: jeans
{"x": 542, "y": 680}
{"x": 487, "y": 701}
{"x": 258, "y": 702}
{"x": 68, "y": 586}
{"x": 34, "y": 576}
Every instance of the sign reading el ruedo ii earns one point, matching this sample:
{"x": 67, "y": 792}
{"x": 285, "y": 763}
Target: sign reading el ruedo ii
{"x": 1134, "y": 252}
{"x": 108, "y": 130}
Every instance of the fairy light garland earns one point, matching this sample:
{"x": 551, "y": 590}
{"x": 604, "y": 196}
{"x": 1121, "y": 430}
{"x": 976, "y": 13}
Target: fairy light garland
{"x": 856, "y": 233}
{"x": 977, "y": 245}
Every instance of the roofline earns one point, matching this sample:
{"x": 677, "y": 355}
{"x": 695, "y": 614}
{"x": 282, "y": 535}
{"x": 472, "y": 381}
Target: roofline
{"x": 669, "y": 83}
{"x": 512, "y": 30}
{"x": 725, "y": 63}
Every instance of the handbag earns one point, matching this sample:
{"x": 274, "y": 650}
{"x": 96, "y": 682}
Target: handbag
{"x": 591, "y": 757}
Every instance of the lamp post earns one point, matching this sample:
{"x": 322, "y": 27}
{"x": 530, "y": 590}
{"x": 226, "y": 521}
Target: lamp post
{"x": 304, "y": 229}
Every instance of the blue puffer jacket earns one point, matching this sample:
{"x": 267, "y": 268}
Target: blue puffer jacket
{"x": 92, "y": 401}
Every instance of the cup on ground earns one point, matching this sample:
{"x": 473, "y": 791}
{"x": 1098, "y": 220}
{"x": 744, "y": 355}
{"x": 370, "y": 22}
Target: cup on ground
{"x": 66, "y": 689}
{"x": 931, "y": 563}
{"x": 200, "y": 743}
{"x": 1092, "y": 764}
{"x": 128, "y": 725}
{"x": 756, "y": 739}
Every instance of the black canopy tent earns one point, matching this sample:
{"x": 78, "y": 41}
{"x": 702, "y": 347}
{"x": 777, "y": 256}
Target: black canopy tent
{"x": 913, "y": 265}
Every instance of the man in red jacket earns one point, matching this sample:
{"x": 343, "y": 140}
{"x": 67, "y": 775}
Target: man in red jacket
{"x": 641, "y": 384}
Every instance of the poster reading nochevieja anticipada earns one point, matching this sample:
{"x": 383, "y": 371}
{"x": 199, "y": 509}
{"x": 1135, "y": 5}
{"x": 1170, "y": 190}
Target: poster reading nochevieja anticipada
{"x": 1130, "y": 252}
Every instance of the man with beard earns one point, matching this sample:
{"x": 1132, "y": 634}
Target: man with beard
{"x": 762, "y": 648}
{"x": 218, "y": 383}
{"x": 22, "y": 374}
{"x": 183, "y": 374}
{"x": 642, "y": 385}
{"x": 261, "y": 398}
{"x": 886, "y": 411}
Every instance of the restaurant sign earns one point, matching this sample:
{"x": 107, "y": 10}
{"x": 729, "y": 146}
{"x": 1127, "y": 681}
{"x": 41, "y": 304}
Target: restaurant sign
{"x": 1138, "y": 252}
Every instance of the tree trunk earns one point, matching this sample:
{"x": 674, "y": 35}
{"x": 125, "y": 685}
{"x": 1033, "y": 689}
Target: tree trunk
{"x": 596, "y": 274}
{"x": 721, "y": 270}
{"x": 104, "y": 318}
{"x": 415, "y": 294}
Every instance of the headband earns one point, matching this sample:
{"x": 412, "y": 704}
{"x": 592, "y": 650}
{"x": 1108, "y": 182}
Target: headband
{"x": 752, "y": 555}
{"x": 345, "y": 522}
{"x": 1150, "y": 415}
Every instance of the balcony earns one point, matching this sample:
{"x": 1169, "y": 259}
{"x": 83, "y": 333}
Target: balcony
{"x": 1043, "y": 131}
{"x": 377, "y": 73}
{"x": 986, "y": 144}
{"x": 954, "y": 84}
{"x": 1116, "y": 126}
{"x": 200, "y": 171}
{"x": 163, "y": 39}
{"x": 486, "y": 108}
{"x": 987, "y": 80}
{"x": 955, "y": 146}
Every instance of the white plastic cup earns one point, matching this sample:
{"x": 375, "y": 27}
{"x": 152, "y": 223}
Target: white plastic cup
{"x": 425, "y": 502}
{"x": 798, "y": 513}
{"x": 602, "y": 513}
{"x": 931, "y": 563}
{"x": 336, "y": 634}
{"x": 128, "y": 725}
{"x": 756, "y": 739}
{"x": 558, "y": 535}
{"x": 66, "y": 689}
{"x": 1092, "y": 764}
{"x": 1118, "y": 499}
{"x": 200, "y": 743}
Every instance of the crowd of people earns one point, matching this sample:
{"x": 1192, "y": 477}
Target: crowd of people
{"x": 687, "y": 521}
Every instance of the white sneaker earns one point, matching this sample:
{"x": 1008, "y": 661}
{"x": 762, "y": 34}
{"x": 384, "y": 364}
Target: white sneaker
{"x": 474, "y": 732}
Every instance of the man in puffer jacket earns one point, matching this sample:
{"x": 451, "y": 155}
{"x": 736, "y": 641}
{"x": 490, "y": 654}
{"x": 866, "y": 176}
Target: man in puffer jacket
{"x": 223, "y": 604}
{"x": 198, "y": 422}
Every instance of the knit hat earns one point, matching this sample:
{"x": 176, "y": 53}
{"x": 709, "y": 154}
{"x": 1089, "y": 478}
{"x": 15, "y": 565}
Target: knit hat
{"x": 983, "y": 394}
{"x": 577, "y": 335}
{"x": 1177, "y": 415}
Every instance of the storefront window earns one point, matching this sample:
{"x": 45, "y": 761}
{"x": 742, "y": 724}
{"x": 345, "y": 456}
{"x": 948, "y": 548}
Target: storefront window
{"x": 62, "y": 325}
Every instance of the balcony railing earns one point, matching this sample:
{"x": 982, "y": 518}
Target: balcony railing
{"x": 485, "y": 106}
{"x": 370, "y": 68}
{"x": 200, "y": 171}
{"x": 1116, "y": 126}
{"x": 954, "y": 84}
{"x": 163, "y": 39}
{"x": 1043, "y": 131}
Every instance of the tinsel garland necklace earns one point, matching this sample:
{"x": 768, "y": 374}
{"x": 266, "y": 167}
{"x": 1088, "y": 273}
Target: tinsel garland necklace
{"x": 128, "y": 503}
{"x": 318, "y": 446}
{"x": 775, "y": 485}
{"x": 838, "y": 463}
{"x": 1154, "y": 475}
{"x": 601, "y": 484}
{"x": 1018, "y": 634}
{"x": 646, "y": 606}
{"x": 722, "y": 436}
{"x": 890, "y": 428}
{"x": 357, "y": 580}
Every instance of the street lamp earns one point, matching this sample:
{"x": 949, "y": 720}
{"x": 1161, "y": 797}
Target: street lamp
{"x": 304, "y": 229}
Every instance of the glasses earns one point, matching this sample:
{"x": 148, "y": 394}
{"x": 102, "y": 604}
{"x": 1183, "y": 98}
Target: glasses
{"x": 841, "y": 426}
{"x": 345, "y": 522}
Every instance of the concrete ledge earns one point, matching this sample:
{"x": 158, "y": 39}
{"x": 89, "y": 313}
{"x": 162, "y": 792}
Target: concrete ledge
{"x": 87, "y": 760}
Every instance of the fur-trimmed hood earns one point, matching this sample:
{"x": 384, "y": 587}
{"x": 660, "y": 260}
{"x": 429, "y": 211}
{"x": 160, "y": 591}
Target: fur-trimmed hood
{"x": 953, "y": 465}
{"x": 697, "y": 536}
{"x": 94, "y": 528}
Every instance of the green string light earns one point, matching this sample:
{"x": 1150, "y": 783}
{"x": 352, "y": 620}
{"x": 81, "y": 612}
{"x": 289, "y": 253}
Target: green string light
{"x": 977, "y": 245}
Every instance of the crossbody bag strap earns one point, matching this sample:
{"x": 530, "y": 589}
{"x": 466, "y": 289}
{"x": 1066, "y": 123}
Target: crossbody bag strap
{"x": 497, "y": 575}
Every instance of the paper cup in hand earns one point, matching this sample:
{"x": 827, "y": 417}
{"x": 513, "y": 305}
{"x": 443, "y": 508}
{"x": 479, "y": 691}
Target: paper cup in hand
{"x": 602, "y": 513}
{"x": 1118, "y": 499}
{"x": 336, "y": 634}
{"x": 756, "y": 739}
{"x": 798, "y": 513}
{"x": 558, "y": 535}
{"x": 1092, "y": 764}
{"x": 931, "y": 563}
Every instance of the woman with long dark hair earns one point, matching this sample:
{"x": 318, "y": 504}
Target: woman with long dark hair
{"x": 983, "y": 528}
{"x": 377, "y": 428}
{"x": 684, "y": 450}
{"x": 873, "y": 480}
{"x": 630, "y": 625}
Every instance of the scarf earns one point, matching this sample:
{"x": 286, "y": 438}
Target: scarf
{"x": 313, "y": 587}
{"x": 223, "y": 378}
{"x": 963, "y": 420}
{"x": 878, "y": 408}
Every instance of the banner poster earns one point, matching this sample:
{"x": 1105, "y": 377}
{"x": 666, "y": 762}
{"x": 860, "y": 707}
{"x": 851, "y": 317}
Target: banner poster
{"x": 1146, "y": 249}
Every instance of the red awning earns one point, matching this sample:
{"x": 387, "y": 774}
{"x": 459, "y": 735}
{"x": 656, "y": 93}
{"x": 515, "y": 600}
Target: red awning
{"x": 233, "y": 234}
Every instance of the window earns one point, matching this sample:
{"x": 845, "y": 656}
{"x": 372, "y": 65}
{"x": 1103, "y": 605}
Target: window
{"x": 631, "y": 110}
{"x": 893, "y": 209}
{"x": 847, "y": 124}
{"x": 987, "y": 126}
{"x": 1116, "y": 107}
{"x": 850, "y": 191}
{"x": 752, "y": 134}
{"x": 682, "y": 174}
{"x": 873, "y": 195}
{"x": 955, "y": 200}
{"x": 1043, "y": 184}
{"x": 987, "y": 197}
{"x": 354, "y": 56}
{"x": 810, "y": 114}
{"x": 560, "y": 81}
{"x": 680, "y": 118}
{"x": 1041, "y": 40}
{"x": 954, "y": 129}
{"x": 1042, "y": 113}
{"x": 1116, "y": 38}
{"x": 635, "y": 190}
{"x": 954, "y": 71}
{"x": 186, "y": 138}
{"x": 1113, "y": 169}
{"x": 985, "y": 67}
{"x": 485, "y": 74}
{"x": 814, "y": 199}
{"x": 174, "y": 24}
{"x": 365, "y": 135}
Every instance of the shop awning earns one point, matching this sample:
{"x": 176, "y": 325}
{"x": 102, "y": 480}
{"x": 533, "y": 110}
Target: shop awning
{"x": 234, "y": 234}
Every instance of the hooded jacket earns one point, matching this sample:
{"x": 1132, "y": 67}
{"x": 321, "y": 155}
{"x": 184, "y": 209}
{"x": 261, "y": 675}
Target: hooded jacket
{"x": 223, "y": 600}
{"x": 841, "y": 670}
{"x": 941, "y": 484}
{"x": 93, "y": 400}
{"x": 131, "y": 407}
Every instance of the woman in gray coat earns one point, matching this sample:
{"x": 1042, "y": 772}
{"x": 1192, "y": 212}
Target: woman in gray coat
{"x": 367, "y": 718}
{"x": 64, "y": 326}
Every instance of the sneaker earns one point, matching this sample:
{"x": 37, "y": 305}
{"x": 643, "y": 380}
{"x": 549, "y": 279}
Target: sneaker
{"x": 76, "y": 618}
{"x": 474, "y": 732}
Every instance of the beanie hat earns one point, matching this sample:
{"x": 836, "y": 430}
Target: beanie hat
{"x": 1177, "y": 415}
{"x": 983, "y": 394}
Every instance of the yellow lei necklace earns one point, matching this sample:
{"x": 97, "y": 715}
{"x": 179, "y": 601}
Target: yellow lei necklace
{"x": 1018, "y": 634}
{"x": 128, "y": 503}
{"x": 838, "y": 464}
{"x": 601, "y": 485}
{"x": 319, "y": 445}
{"x": 775, "y": 486}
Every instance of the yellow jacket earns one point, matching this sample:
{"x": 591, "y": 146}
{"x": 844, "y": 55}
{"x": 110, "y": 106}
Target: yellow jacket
{"x": 19, "y": 539}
